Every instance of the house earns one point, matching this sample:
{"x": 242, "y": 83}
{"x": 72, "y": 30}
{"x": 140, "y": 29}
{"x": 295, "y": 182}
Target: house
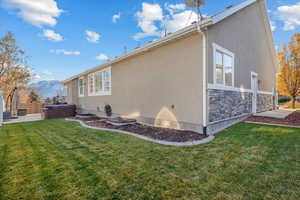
{"x": 204, "y": 77}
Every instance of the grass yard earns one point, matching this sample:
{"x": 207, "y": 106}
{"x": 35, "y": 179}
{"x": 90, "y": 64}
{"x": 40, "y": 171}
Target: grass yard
{"x": 56, "y": 159}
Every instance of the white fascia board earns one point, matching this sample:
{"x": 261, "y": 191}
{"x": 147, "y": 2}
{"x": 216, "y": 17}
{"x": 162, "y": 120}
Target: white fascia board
{"x": 219, "y": 17}
{"x": 177, "y": 35}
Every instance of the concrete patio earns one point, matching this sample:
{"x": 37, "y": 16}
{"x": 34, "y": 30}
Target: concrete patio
{"x": 27, "y": 118}
{"x": 279, "y": 114}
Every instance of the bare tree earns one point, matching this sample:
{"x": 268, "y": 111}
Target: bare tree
{"x": 10, "y": 54}
{"x": 14, "y": 74}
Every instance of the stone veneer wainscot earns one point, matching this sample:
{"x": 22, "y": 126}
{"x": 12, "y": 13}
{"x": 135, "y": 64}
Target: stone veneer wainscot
{"x": 225, "y": 104}
{"x": 265, "y": 102}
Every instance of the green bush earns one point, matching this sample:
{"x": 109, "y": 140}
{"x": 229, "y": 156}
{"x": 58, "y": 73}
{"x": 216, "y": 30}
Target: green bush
{"x": 284, "y": 99}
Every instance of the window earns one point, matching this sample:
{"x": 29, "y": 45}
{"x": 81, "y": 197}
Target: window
{"x": 91, "y": 83}
{"x": 81, "y": 87}
{"x": 106, "y": 80}
{"x": 100, "y": 83}
{"x": 224, "y": 66}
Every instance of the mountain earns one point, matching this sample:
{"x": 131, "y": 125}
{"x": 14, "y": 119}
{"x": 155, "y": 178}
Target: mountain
{"x": 48, "y": 88}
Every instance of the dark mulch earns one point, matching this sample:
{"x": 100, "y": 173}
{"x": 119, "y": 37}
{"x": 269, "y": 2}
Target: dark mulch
{"x": 291, "y": 120}
{"x": 87, "y": 119}
{"x": 170, "y": 135}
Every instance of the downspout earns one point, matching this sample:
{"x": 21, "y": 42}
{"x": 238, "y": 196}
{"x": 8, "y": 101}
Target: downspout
{"x": 204, "y": 79}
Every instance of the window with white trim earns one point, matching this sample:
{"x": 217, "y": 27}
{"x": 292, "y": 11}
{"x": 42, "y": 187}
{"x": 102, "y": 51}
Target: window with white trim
{"x": 223, "y": 66}
{"x": 81, "y": 85}
{"x": 91, "y": 83}
{"x": 100, "y": 82}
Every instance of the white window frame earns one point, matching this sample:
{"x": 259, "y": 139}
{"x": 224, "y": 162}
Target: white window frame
{"x": 217, "y": 48}
{"x": 89, "y": 85}
{"x": 102, "y": 92}
{"x": 81, "y": 95}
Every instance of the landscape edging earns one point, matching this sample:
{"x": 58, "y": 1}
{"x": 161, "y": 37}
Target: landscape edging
{"x": 176, "y": 144}
{"x": 271, "y": 124}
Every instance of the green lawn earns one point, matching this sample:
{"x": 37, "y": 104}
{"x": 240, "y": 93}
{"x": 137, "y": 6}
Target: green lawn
{"x": 56, "y": 159}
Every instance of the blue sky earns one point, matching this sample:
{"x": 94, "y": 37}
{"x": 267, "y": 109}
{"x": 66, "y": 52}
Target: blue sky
{"x": 65, "y": 37}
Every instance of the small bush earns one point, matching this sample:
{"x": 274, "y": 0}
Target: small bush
{"x": 108, "y": 110}
{"x": 284, "y": 99}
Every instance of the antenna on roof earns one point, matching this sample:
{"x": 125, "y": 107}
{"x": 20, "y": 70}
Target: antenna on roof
{"x": 196, "y": 4}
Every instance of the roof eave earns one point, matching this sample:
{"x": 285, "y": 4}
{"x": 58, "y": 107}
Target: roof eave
{"x": 165, "y": 40}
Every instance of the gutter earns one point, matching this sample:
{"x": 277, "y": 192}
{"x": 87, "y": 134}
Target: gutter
{"x": 173, "y": 37}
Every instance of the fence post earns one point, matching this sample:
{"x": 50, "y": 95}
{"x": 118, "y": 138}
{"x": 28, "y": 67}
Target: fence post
{"x": 1, "y": 108}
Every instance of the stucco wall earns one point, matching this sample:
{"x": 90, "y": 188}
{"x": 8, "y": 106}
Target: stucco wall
{"x": 148, "y": 85}
{"x": 245, "y": 34}
{"x": 72, "y": 92}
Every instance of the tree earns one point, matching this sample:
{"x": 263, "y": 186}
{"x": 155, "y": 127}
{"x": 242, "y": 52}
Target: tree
{"x": 48, "y": 101}
{"x": 10, "y": 54}
{"x": 15, "y": 79}
{"x": 14, "y": 74}
{"x": 288, "y": 80}
{"x": 34, "y": 97}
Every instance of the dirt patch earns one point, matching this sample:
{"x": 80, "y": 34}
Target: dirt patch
{"x": 170, "y": 135}
{"x": 291, "y": 120}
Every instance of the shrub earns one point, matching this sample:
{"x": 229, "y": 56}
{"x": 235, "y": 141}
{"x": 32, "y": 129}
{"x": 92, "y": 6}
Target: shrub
{"x": 108, "y": 110}
{"x": 283, "y": 99}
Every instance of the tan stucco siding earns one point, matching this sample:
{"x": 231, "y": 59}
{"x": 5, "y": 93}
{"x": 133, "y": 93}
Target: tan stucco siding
{"x": 72, "y": 92}
{"x": 149, "y": 84}
{"x": 245, "y": 34}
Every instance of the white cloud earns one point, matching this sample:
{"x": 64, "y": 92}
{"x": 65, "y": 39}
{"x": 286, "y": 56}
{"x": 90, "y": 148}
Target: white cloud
{"x": 116, "y": 17}
{"x": 47, "y": 73}
{"x": 177, "y": 21}
{"x": 102, "y": 57}
{"x": 153, "y": 23}
{"x": 42, "y": 75}
{"x": 290, "y": 15}
{"x": 92, "y": 36}
{"x": 51, "y": 35}
{"x": 62, "y": 51}
{"x": 36, "y": 78}
{"x": 150, "y": 14}
{"x": 174, "y": 7}
{"x": 36, "y": 12}
{"x": 273, "y": 25}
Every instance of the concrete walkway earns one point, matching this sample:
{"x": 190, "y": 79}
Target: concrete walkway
{"x": 27, "y": 118}
{"x": 279, "y": 114}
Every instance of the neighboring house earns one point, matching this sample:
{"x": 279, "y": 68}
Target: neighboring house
{"x": 199, "y": 80}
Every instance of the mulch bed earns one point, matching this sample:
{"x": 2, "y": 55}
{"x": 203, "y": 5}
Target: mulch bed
{"x": 291, "y": 120}
{"x": 170, "y": 135}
